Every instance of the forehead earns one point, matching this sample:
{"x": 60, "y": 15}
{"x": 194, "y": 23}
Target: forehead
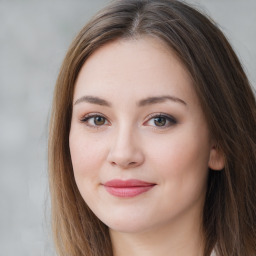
{"x": 132, "y": 68}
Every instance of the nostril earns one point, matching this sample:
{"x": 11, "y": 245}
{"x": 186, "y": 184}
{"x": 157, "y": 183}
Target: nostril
{"x": 131, "y": 164}
{"x": 125, "y": 157}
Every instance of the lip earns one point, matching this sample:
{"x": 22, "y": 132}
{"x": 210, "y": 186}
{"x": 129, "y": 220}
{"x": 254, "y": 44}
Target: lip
{"x": 127, "y": 188}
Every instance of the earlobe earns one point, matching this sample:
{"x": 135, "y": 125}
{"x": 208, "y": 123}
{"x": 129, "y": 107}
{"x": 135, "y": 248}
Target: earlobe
{"x": 217, "y": 159}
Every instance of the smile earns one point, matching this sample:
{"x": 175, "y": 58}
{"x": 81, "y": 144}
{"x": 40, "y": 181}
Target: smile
{"x": 127, "y": 188}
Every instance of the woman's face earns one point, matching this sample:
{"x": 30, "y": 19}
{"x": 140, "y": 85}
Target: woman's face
{"x": 139, "y": 142}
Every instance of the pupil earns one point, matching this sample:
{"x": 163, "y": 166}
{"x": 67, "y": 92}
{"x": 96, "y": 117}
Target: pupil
{"x": 160, "y": 121}
{"x": 99, "y": 120}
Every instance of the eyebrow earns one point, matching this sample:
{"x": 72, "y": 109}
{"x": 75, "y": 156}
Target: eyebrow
{"x": 160, "y": 99}
{"x": 93, "y": 100}
{"x": 141, "y": 103}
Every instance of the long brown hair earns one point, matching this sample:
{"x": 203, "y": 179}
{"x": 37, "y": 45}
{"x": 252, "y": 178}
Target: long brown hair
{"x": 229, "y": 217}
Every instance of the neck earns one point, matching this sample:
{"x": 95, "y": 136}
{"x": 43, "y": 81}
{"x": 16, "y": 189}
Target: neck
{"x": 176, "y": 239}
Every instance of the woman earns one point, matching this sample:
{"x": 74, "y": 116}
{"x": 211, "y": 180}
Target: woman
{"x": 152, "y": 138}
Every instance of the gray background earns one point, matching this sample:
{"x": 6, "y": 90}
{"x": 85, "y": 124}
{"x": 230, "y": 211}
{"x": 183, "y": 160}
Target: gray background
{"x": 34, "y": 36}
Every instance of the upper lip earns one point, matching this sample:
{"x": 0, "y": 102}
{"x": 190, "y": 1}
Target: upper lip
{"x": 127, "y": 183}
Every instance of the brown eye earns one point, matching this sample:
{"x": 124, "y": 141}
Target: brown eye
{"x": 99, "y": 120}
{"x": 93, "y": 120}
{"x": 160, "y": 121}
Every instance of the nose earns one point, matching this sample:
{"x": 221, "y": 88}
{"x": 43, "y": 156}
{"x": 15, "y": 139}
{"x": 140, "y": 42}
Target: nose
{"x": 126, "y": 150}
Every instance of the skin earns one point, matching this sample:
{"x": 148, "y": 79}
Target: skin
{"x": 126, "y": 142}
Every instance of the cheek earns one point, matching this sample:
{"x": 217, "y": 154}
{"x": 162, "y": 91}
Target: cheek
{"x": 87, "y": 153}
{"x": 181, "y": 154}
{"x": 181, "y": 164}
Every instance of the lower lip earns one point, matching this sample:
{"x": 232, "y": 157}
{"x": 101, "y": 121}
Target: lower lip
{"x": 128, "y": 191}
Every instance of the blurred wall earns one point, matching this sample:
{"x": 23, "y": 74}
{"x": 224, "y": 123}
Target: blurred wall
{"x": 34, "y": 36}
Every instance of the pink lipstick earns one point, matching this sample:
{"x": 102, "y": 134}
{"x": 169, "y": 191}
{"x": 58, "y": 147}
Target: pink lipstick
{"x": 127, "y": 188}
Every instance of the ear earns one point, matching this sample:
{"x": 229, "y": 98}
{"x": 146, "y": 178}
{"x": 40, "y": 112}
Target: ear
{"x": 217, "y": 159}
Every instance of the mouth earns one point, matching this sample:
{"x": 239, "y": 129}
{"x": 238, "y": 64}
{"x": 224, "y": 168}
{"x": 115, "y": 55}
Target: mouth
{"x": 127, "y": 188}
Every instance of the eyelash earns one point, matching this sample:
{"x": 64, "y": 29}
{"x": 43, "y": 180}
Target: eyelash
{"x": 170, "y": 120}
{"x": 90, "y": 116}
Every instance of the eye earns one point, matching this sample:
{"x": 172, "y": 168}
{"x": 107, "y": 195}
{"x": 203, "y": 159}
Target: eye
{"x": 161, "y": 120}
{"x": 94, "y": 120}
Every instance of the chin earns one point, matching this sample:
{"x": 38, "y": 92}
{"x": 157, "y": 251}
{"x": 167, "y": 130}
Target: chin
{"x": 128, "y": 228}
{"x": 129, "y": 224}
